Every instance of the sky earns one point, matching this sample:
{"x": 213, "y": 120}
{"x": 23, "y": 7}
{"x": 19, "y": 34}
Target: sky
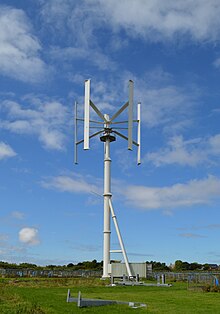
{"x": 51, "y": 210}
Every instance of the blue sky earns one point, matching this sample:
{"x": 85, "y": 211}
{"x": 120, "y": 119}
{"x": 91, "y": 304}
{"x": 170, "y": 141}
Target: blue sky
{"x": 167, "y": 208}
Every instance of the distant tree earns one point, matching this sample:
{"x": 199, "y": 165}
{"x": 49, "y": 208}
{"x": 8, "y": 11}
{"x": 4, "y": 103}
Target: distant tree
{"x": 70, "y": 265}
{"x": 27, "y": 265}
{"x": 195, "y": 266}
{"x": 206, "y": 267}
{"x": 4, "y": 265}
{"x": 8, "y": 265}
{"x": 51, "y": 266}
{"x": 185, "y": 266}
{"x": 158, "y": 266}
{"x": 178, "y": 266}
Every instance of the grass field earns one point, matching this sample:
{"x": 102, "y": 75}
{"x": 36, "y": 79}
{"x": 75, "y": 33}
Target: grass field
{"x": 48, "y": 296}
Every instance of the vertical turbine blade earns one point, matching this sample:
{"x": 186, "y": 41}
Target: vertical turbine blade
{"x": 86, "y": 114}
{"x": 75, "y": 134}
{"x": 130, "y": 114}
{"x": 139, "y": 134}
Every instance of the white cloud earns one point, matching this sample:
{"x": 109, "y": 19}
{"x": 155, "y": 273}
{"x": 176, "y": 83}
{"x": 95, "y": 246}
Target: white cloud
{"x": 191, "y": 235}
{"x": 6, "y": 151}
{"x": 160, "y": 98}
{"x": 19, "y": 48}
{"x": 158, "y": 21}
{"x": 46, "y": 119}
{"x": 160, "y": 102}
{"x": 77, "y": 23}
{"x": 29, "y": 236}
{"x": 192, "y": 152}
{"x": 180, "y": 152}
{"x": 199, "y": 227}
{"x": 67, "y": 16}
{"x": 154, "y": 20}
{"x": 74, "y": 184}
{"x": 91, "y": 56}
{"x": 162, "y": 20}
{"x": 17, "y": 215}
{"x": 216, "y": 63}
{"x": 194, "y": 192}
{"x": 214, "y": 142}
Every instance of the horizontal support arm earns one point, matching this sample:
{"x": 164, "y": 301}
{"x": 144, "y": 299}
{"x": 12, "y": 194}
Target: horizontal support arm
{"x": 96, "y": 127}
{"x": 94, "y": 134}
{"x": 119, "y": 111}
{"x": 119, "y": 122}
{"x": 116, "y": 251}
{"x": 97, "y": 111}
{"x": 79, "y": 142}
{"x": 91, "y": 136}
{"x": 124, "y": 137}
{"x": 93, "y": 121}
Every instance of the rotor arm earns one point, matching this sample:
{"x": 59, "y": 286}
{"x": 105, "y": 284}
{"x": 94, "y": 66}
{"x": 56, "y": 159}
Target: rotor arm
{"x": 91, "y": 136}
{"x": 82, "y": 141}
{"x": 97, "y": 111}
{"x": 124, "y": 137}
{"x": 119, "y": 111}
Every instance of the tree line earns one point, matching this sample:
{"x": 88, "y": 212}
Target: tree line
{"x": 92, "y": 265}
{"x": 178, "y": 266}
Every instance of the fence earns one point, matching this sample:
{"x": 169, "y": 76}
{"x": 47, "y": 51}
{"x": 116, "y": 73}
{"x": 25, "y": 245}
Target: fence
{"x": 205, "y": 282}
{"x": 184, "y": 276}
{"x": 48, "y": 273}
{"x": 170, "y": 276}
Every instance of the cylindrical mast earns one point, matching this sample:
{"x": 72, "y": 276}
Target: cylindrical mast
{"x": 107, "y": 195}
{"x": 107, "y": 138}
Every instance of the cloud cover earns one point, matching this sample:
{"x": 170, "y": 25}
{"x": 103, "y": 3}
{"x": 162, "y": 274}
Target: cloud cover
{"x": 19, "y": 48}
{"x": 161, "y": 20}
{"x": 47, "y": 119}
{"x": 153, "y": 20}
{"x": 74, "y": 184}
{"x": 193, "y": 152}
{"x": 6, "y": 151}
{"x": 29, "y": 236}
{"x": 181, "y": 195}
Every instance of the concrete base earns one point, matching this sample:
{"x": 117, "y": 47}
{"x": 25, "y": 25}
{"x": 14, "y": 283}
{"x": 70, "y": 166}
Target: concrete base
{"x": 134, "y": 283}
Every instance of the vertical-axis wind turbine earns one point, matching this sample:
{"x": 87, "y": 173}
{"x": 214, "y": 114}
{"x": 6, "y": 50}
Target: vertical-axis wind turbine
{"x": 108, "y": 131}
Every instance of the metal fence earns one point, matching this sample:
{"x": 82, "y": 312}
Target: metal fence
{"x": 205, "y": 282}
{"x": 170, "y": 276}
{"x": 184, "y": 276}
{"x": 4, "y": 272}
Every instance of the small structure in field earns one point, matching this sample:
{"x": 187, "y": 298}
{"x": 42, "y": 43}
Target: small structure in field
{"x": 85, "y": 302}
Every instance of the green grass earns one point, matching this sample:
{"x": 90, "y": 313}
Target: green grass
{"x": 48, "y": 296}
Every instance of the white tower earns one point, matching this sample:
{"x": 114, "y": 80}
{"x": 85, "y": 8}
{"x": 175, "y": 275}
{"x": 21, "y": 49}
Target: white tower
{"x": 108, "y": 135}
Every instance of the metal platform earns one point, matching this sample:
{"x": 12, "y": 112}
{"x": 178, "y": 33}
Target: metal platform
{"x": 83, "y": 302}
{"x": 134, "y": 281}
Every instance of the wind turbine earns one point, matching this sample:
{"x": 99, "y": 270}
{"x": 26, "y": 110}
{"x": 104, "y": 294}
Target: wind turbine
{"x": 108, "y": 131}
